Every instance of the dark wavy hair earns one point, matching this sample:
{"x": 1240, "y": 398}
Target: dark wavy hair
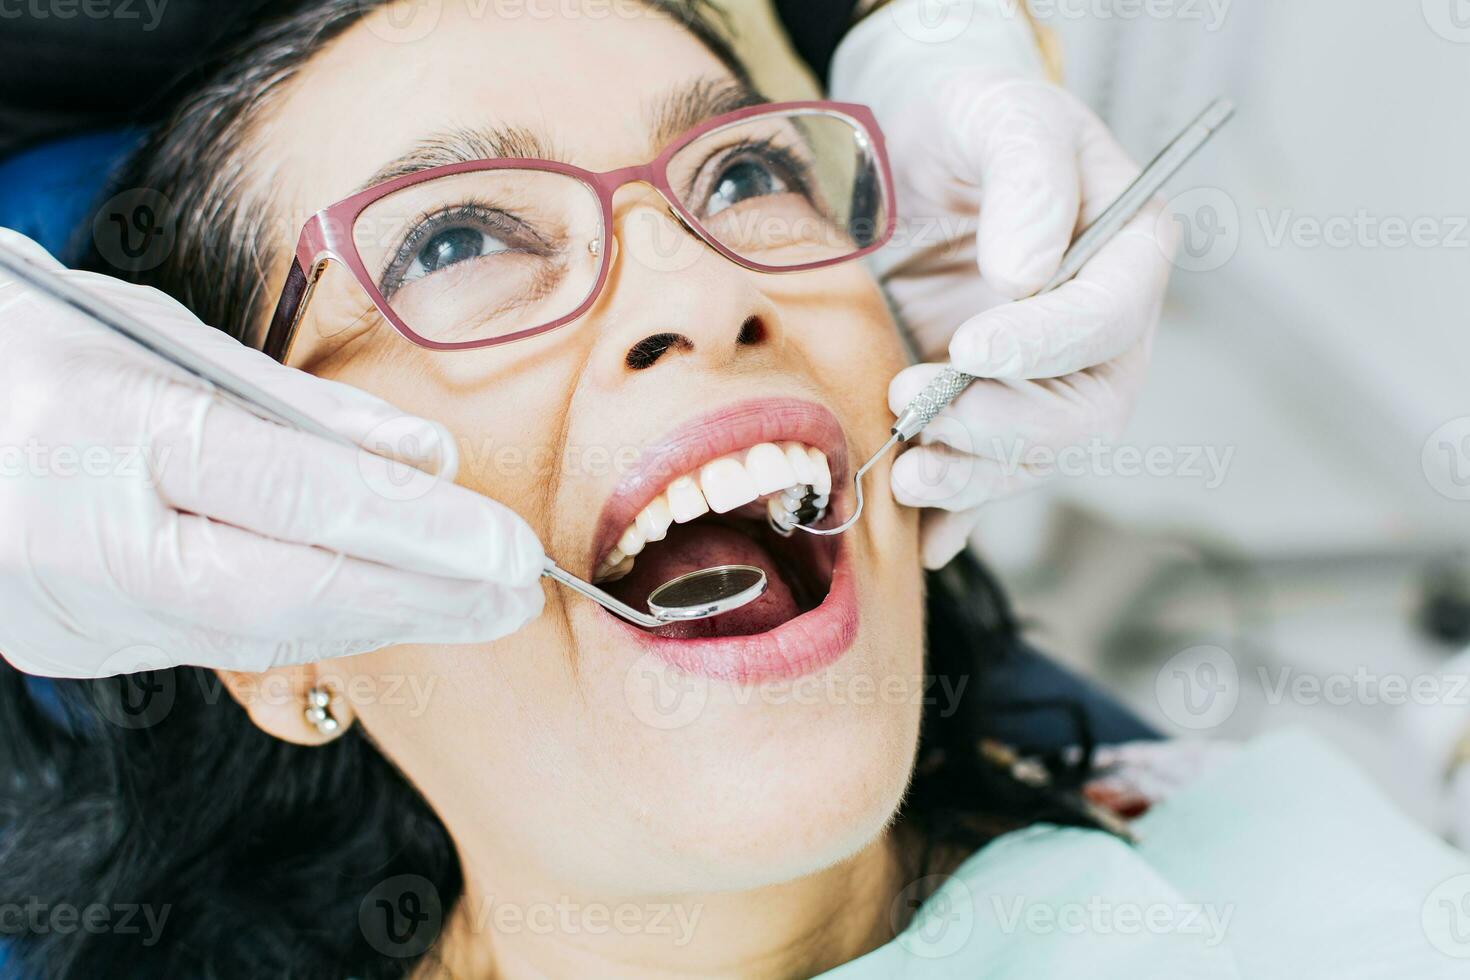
{"x": 156, "y": 791}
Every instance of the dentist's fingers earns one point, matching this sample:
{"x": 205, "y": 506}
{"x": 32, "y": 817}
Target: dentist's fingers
{"x": 223, "y": 463}
{"x": 1105, "y": 167}
{"x": 1004, "y": 419}
{"x": 1021, "y": 145}
{"x": 951, "y": 487}
{"x": 361, "y": 418}
{"x": 308, "y": 602}
{"x": 940, "y": 477}
{"x": 1108, "y": 309}
{"x": 944, "y": 534}
{"x": 251, "y": 604}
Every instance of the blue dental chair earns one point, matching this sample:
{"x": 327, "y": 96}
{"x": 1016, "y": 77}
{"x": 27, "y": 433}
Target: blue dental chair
{"x": 50, "y": 192}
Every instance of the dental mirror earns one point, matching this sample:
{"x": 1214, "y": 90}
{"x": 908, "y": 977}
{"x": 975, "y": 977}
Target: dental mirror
{"x": 694, "y": 595}
{"x": 707, "y": 592}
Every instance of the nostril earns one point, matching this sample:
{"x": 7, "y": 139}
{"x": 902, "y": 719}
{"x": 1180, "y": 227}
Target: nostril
{"x": 752, "y": 331}
{"x": 647, "y": 351}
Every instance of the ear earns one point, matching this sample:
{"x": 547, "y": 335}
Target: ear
{"x": 287, "y": 703}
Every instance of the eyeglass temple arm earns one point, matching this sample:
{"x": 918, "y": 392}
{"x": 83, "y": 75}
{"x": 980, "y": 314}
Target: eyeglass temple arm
{"x": 292, "y": 306}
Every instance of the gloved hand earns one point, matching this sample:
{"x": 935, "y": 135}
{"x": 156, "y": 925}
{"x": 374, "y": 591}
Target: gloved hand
{"x": 148, "y": 524}
{"x": 976, "y": 132}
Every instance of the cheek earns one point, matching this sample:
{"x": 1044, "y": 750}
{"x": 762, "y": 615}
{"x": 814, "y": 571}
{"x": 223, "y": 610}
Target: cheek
{"x": 505, "y": 410}
{"x": 491, "y": 736}
{"x": 840, "y": 327}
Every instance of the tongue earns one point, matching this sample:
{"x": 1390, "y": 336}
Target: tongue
{"x": 690, "y": 547}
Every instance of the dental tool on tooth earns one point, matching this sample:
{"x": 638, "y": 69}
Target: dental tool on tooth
{"x": 948, "y": 385}
{"x": 697, "y": 595}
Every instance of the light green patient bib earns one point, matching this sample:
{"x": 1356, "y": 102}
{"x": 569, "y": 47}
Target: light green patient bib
{"x": 1282, "y": 863}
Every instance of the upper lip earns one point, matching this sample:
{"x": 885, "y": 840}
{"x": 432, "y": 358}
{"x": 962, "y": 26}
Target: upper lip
{"x": 718, "y": 433}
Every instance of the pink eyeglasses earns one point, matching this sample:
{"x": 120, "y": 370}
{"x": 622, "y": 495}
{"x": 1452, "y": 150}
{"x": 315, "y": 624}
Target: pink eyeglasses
{"x": 486, "y": 252}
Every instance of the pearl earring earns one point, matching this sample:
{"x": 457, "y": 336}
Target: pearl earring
{"x": 319, "y": 711}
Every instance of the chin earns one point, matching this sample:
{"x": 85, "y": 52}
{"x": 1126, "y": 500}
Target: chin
{"x": 771, "y": 787}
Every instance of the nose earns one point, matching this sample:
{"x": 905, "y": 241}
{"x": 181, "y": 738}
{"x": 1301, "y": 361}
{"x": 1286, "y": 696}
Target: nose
{"x": 646, "y": 352}
{"x": 671, "y": 298}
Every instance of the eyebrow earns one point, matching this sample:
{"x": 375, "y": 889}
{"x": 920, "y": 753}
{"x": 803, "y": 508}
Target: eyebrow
{"x": 462, "y": 145}
{"x": 668, "y": 118}
{"x": 696, "y": 103}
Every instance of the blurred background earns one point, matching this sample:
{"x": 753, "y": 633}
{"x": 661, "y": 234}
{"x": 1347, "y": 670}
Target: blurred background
{"x": 1308, "y": 525}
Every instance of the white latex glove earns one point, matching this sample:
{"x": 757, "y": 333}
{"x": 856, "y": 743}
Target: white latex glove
{"x": 148, "y": 524}
{"x": 996, "y": 172}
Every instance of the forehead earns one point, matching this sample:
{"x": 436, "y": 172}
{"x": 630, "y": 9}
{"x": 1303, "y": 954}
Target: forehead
{"x": 587, "y": 84}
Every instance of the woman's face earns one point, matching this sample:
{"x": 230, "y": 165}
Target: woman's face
{"x": 582, "y": 753}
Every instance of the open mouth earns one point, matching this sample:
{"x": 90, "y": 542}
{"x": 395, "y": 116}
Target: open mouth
{"x": 720, "y": 515}
{"x": 706, "y": 498}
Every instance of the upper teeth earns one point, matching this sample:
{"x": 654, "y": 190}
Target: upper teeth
{"x": 781, "y": 472}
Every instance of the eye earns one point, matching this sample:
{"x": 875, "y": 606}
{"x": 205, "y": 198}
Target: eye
{"x": 451, "y": 246}
{"x": 454, "y": 236}
{"x": 742, "y": 181}
{"x": 751, "y": 171}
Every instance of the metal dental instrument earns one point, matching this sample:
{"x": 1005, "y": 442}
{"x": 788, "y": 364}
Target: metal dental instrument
{"x": 696, "y": 595}
{"x": 947, "y": 386}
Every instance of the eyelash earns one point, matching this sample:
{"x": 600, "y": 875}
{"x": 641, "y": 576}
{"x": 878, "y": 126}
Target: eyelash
{"x": 791, "y": 168}
{"x": 428, "y": 224}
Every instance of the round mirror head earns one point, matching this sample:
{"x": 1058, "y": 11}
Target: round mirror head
{"x": 707, "y": 592}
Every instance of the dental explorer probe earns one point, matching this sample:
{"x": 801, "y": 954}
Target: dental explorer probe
{"x": 696, "y": 595}
{"x": 947, "y": 386}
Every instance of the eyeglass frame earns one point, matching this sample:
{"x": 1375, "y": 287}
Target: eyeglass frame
{"x": 322, "y": 238}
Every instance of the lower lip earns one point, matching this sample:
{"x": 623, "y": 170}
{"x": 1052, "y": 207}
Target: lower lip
{"x": 801, "y": 646}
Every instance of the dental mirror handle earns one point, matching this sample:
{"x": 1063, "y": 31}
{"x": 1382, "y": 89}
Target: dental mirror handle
{"x": 555, "y": 571}
{"x": 227, "y": 385}
{"x": 945, "y": 387}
